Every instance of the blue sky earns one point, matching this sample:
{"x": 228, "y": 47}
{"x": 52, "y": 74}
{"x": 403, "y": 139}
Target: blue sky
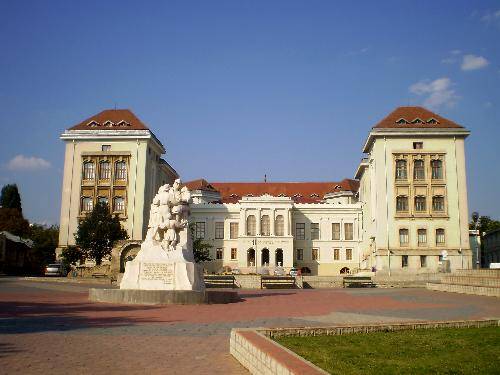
{"x": 239, "y": 89}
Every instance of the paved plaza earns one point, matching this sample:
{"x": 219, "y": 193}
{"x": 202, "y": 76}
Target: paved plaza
{"x": 51, "y": 327}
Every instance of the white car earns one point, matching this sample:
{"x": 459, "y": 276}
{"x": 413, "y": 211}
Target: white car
{"x": 294, "y": 272}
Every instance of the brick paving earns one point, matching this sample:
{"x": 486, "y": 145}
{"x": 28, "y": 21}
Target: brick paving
{"x": 53, "y": 327}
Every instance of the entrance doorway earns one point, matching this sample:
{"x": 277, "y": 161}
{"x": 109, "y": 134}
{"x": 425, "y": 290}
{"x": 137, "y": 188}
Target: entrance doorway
{"x": 279, "y": 257}
{"x": 251, "y": 257}
{"x": 265, "y": 257}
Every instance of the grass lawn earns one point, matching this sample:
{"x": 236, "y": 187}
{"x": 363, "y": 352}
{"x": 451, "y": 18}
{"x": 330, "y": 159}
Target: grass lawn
{"x": 424, "y": 351}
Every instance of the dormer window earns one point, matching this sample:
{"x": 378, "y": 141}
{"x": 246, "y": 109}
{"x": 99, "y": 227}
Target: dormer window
{"x": 432, "y": 121}
{"x": 249, "y": 195}
{"x": 93, "y": 124}
{"x": 123, "y": 123}
{"x": 297, "y": 195}
{"x": 337, "y": 186}
{"x": 401, "y": 121}
{"x": 109, "y": 123}
{"x": 314, "y": 195}
{"x": 281, "y": 195}
{"x": 233, "y": 196}
{"x": 417, "y": 121}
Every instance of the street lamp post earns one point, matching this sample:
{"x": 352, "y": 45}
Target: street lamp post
{"x": 475, "y": 219}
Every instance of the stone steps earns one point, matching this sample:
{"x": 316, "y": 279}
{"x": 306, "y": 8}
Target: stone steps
{"x": 478, "y": 273}
{"x": 471, "y": 280}
{"x": 465, "y": 289}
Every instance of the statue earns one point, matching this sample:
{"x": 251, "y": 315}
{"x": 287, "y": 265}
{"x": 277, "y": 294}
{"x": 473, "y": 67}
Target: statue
{"x": 166, "y": 261}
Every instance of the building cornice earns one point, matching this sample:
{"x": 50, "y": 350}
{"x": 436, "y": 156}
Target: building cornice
{"x": 393, "y": 133}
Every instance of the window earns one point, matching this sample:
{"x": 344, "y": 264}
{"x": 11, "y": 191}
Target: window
{"x": 234, "y": 253}
{"x": 348, "y": 254}
{"x": 199, "y": 232}
{"x": 437, "y": 169}
{"x": 233, "y": 230}
{"x": 300, "y": 231}
{"x": 336, "y": 231}
{"x": 119, "y": 204}
{"x": 402, "y": 203}
{"x": 404, "y": 261}
{"x": 219, "y": 230}
{"x": 120, "y": 170}
{"x": 418, "y": 170}
{"x": 418, "y": 145}
{"x": 401, "y": 170}
{"x": 88, "y": 170}
{"x": 315, "y": 254}
{"x": 314, "y": 231}
{"x": 423, "y": 261}
{"x": 265, "y": 225}
{"x": 103, "y": 200}
{"x": 87, "y": 204}
{"x": 106, "y": 147}
{"x": 440, "y": 237}
{"x": 403, "y": 237}
{"x": 420, "y": 205}
{"x": 422, "y": 237}
{"x": 251, "y": 225}
{"x": 336, "y": 254}
{"x": 219, "y": 254}
{"x": 438, "y": 203}
{"x": 348, "y": 231}
{"x": 104, "y": 170}
{"x": 300, "y": 254}
{"x": 279, "y": 226}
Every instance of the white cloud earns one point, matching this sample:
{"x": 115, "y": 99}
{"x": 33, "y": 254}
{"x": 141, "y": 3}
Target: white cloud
{"x": 455, "y": 52}
{"x": 21, "y": 162}
{"x": 449, "y": 60}
{"x": 488, "y": 104}
{"x": 436, "y": 93}
{"x": 491, "y": 16}
{"x": 473, "y": 62}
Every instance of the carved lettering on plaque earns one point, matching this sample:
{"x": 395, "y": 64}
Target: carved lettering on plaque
{"x": 157, "y": 272}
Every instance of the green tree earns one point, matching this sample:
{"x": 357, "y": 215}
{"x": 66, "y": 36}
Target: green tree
{"x": 201, "y": 250}
{"x": 10, "y": 198}
{"x": 485, "y": 224}
{"x": 71, "y": 255}
{"x": 12, "y": 221}
{"x": 98, "y": 232}
{"x": 45, "y": 241}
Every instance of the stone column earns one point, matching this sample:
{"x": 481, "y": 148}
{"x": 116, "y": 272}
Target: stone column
{"x": 243, "y": 220}
{"x": 272, "y": 219}
{"x": 257, "y": 219}
{"x": 289, "y": 223}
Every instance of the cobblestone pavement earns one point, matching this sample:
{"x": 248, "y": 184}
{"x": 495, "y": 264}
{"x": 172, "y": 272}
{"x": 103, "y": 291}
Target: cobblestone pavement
{"x": 52, "y": 327}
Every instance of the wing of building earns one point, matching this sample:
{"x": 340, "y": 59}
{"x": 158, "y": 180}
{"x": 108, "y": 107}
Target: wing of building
{"x": 405, "y": 211}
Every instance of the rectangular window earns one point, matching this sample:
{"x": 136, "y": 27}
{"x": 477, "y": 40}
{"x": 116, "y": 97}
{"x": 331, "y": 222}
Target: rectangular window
{"x": 119, "y": 204}
{"x": 219, "y": 254}
{"x": 315, "y": 254}
{"x": 422, "y": 237}
{"x": 233, "y": 230}
{"x": 348, "y": 231}
{"x": 418, "y": 145}
{"x": 404, "y": 261}
{"x": 420, "y": 204}
{"x": 300, "y": 254}
{"x": 348, "y": 254}
{"x": 402, "y": 203}
{"x": 336, "y": 254}
{"x": 199, "y": 230}
{"x": 336, "y": 231}
{"x": 106, "y": 147}
{"x": 440, "y": 237}
{"x": 88, "y": 170}
{"x": 234, "y": 253}
{"x": 120, "y": 170}
{"x": 401, "y": 170}
{"x": 300, "y": 231}
{"x": 104, "y": 170}
{"x": 403, "y": 237}
{"x": 219, "y": 230}
{"x": 87, "y": 204}
{"x": 437, "y": 169}
{"x": 314, "y": 231}
{"x": 423, "y": 261}
{"x": 418, "y": 170}
{"x": 438, "y": 203}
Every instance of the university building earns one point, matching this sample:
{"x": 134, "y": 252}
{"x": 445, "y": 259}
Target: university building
{"x": 405, "y": 211}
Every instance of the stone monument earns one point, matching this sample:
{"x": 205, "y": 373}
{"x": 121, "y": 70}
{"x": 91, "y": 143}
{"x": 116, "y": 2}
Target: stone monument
{"x": 166, "y": 261}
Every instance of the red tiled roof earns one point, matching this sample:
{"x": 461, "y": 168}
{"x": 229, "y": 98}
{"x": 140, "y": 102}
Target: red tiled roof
{"x": 300, "y": 192}
{"x": 112, "y": 119}
{"x": 412, "y": 113}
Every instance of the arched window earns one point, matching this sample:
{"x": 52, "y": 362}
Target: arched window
{"x": 402, "y": 203}
{"x": 401, "y": 170}
{"x": 420, "y": 204}
{"x": 279, "y": 226}
{"x": 104, "y": 170}
{"x": 251, "y": 225}
{"x": 418, "y": 170}
{"x": 438, "y": 203}
{"x": 87, "y": 204}
{"x": 437, "y": 169}
{"x": 120, "y": 170}
{"x": 119, "y": 204}
{"x": 265, "y": 224}
{"x": 88, "y": 170}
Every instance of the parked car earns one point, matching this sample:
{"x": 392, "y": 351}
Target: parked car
{"x": 55, "y": 269}
{"x": 279, "y": 271}
{"x": 294, "y": 272}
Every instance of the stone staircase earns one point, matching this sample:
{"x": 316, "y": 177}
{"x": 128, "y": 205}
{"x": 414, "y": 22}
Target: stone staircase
{"x": 480, "y": 282}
